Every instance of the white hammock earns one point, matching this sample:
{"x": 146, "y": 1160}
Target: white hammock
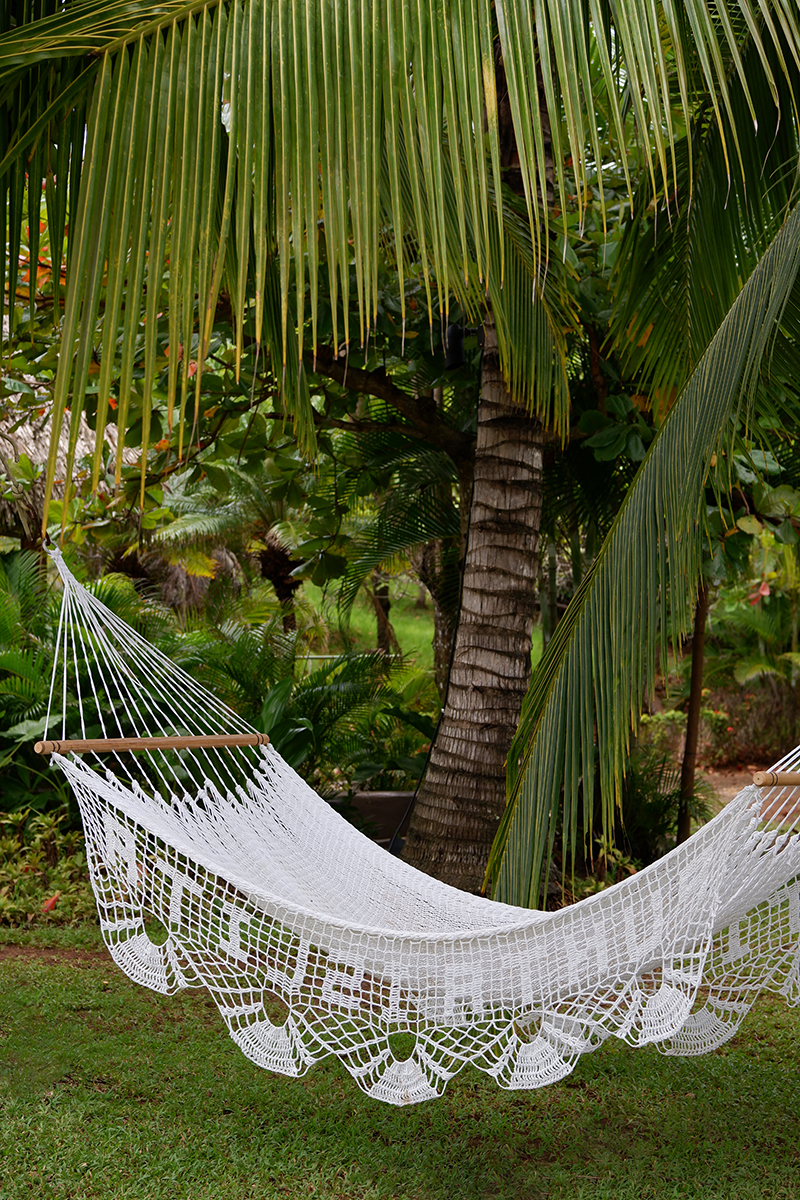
{"x": 265, "y": 891}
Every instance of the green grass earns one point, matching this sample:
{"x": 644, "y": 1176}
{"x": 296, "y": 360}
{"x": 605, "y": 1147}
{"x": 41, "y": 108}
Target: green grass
{"x": 110, "y": 1091}
{"x": 86, "y": 936}
{"x": 413, "y": 626}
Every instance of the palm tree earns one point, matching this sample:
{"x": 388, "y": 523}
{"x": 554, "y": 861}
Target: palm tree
{"x": 194, "y": 147}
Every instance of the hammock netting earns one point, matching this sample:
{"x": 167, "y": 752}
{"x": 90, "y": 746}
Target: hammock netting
{"x": 266, "y": 892}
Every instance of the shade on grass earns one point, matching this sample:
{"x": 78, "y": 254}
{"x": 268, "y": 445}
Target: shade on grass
{"x": 111, "y": 1091}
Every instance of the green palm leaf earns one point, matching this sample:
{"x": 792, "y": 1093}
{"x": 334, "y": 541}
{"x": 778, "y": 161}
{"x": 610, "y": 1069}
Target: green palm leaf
{"x": 586, "y": 696}
{"x": 679, "y": 271}
{"x": 220, "y": 133}
{"x": 409, "y": 520}
{"x": 80, "y": 29}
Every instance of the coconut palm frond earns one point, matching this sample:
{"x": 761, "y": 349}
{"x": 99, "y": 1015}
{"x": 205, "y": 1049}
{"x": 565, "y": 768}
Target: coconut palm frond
{"x": 79, "y": 29}
{"x": 219, "y": 132}
{"x": 532, "y": 313}
{"x": 529, "y": 299}
{"x": 679, "y": 271}
{"x": 587, "y": 693}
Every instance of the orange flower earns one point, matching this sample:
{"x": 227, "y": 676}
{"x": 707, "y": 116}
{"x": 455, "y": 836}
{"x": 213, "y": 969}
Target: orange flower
{"x": 50, "y": 904}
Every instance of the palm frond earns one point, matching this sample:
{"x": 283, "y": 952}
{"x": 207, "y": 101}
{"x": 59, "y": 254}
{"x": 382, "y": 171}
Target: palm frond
{"x": 748, "y": 669}
{"x": 211, "y": 524}
{"x": 24, "y": 686}
{"x": 587, "y": 693}
{"x": 23, "y": 580}
{"x": 220, "y": 132}
{"x": 343, "y": 688}
{"x": 410, "y": 520}
{"x": 678, "y": 271}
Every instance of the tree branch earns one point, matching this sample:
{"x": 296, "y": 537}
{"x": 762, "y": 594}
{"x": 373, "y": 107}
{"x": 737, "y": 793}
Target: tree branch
{"x": 420, "y": 412}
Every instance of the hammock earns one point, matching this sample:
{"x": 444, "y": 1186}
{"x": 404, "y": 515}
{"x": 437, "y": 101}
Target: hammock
{"x": 265, "y": 892}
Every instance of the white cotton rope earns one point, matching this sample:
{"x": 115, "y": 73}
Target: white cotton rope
{"x": 267, "y": 893}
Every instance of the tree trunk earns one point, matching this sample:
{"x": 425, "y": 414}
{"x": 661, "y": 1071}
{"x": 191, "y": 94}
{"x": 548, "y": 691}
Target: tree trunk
{"x": 277, "y": 565}
{"x": 386, "y": 639}
{"x": 463, "y": 794}
{"x": 693, "y": 715}
{"x": 438, "y": 566}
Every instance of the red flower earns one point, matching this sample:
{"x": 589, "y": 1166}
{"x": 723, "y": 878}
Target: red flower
{"x": 762, "y": 591}
{"x": 50, "y": 904}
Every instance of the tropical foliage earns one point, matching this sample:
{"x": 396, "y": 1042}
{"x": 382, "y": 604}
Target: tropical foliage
{"x": 663, "y": 519}
{"x": 245, "y": 119}
{"x": 338, "y": 718}
{"x": 272, "y": 157}
{"x": 43, "y": 872}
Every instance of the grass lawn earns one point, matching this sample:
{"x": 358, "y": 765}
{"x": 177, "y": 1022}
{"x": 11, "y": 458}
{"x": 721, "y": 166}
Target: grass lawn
{"x": 412, "y": 624}
{"x": 110, "y": 1091}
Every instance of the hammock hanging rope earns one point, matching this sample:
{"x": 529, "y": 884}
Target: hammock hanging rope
{"x": 266, "y": 892}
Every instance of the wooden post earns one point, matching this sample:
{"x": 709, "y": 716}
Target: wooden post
{"x": 693, "y": 714}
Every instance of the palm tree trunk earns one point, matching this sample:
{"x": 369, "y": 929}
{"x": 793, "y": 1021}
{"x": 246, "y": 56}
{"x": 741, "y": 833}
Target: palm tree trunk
{"x": 463, "y": 794}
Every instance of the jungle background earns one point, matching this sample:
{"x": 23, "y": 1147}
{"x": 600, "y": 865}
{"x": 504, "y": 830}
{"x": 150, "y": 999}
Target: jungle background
{"x": 496, "y": 313}
{"x": 318, "y": 597}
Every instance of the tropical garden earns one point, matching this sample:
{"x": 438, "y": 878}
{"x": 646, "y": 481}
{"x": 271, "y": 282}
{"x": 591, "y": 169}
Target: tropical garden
{"x": 423, "y": 380}
{"x": 498, "y": 304}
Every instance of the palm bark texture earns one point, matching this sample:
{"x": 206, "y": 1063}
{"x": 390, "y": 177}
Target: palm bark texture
{"x": 463, "y": 795}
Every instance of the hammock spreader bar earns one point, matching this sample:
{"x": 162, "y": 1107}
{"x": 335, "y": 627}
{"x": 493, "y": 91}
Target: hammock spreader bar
{"x": 776, "y": 778}
{"x": 210, "y": 741}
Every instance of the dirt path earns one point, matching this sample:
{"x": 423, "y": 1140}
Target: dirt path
{"x": 60, "y": 954}
{"x": 727, "y": 783}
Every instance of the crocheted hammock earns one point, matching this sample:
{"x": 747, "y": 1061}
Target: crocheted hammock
{"x": 267, "y": 893}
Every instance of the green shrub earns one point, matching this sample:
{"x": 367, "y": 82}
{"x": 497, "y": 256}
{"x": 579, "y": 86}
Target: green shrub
{"x": 648, "y": 826}
{"x": 43, "y": 872}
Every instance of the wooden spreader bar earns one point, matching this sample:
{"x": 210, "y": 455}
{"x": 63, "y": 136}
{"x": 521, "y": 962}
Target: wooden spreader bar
{"x": 776, "y": 778}
{"x": 208, "y": 741}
